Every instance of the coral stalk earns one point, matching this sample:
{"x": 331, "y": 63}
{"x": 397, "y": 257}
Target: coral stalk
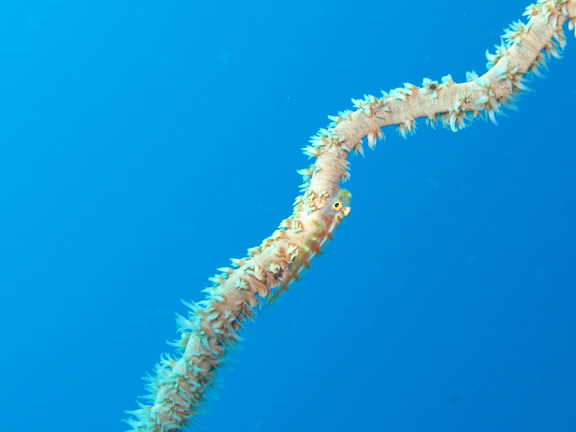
{"x": 180, "y": 383}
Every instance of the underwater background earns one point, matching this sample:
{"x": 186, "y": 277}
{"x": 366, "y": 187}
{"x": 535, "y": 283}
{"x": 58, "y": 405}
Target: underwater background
{"x": 144, "y": 143}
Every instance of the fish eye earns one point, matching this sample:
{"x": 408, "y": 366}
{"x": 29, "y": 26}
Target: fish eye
{"x": 337, "y": 206}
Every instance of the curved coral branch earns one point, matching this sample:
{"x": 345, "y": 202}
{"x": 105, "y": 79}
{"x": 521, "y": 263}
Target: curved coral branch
{"x": 525, "y": 49}
{"x": 179, "y": 385}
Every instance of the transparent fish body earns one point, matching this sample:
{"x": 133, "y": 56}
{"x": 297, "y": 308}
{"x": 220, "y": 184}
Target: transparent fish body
{"x": 331, "y": 215}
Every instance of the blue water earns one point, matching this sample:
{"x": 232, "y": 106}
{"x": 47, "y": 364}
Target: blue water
{"x": 143, "y": 144}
